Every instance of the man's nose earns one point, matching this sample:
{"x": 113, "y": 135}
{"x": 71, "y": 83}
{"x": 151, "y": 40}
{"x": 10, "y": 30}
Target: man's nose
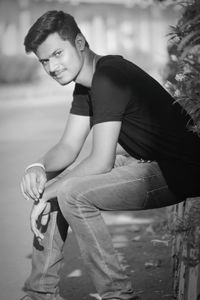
{"x": 53, "y": 66}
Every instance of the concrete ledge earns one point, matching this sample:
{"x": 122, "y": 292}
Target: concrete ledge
{"x": 185, "y": 230}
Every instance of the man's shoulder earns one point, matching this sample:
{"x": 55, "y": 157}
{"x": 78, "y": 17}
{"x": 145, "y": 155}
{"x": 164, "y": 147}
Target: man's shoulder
{"x": 117, "y": 67}
{"x": 110, "y": 68}
{"x": 109, "y": 62}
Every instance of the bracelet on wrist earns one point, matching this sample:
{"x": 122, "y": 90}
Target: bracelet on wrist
{"x": 35, "y": 165}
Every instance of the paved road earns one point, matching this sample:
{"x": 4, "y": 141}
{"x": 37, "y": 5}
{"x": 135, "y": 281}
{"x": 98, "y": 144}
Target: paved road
{"x": 28, "y": 126}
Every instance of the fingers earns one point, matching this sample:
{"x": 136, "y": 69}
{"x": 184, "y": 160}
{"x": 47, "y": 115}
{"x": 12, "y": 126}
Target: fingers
{"x": 31, "y": 186}
{"x": 35, "y": 213}
{"x": 41, "y": 184}
{"x": 26, "y": 187}
{"x": 35, "y": 229}
{"x": 23, "y": 193}
{"x": 33, "y": 183}
{"x": 47, "y": 209}
{"x": 46, "y": 214}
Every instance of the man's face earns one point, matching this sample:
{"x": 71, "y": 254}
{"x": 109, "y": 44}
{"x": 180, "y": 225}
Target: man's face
{"x": 60, "y": 59}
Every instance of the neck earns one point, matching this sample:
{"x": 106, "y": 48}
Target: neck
{"x": 89, "y": 63}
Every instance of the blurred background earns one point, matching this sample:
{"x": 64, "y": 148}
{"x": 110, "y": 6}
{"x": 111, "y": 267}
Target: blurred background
{"x": 134, "y": 28}
{"x": 34, "y": 108}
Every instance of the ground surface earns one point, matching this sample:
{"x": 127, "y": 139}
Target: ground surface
{"x": 30, "y": 122}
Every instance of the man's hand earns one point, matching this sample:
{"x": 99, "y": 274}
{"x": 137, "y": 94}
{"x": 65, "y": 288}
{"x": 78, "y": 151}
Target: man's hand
{"x": 40, "y": 209}
{"x": 33, "y": 183}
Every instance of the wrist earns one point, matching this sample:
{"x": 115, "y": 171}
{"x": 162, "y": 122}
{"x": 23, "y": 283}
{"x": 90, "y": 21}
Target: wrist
{"x": 35, "y": 165}
{"x": 44, "y": 197}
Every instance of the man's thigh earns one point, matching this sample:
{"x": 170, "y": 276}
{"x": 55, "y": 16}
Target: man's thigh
{"x": 130, "y": 185}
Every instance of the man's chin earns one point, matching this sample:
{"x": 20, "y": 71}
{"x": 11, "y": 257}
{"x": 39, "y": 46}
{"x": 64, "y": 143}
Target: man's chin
{"x": 61, "y": 81}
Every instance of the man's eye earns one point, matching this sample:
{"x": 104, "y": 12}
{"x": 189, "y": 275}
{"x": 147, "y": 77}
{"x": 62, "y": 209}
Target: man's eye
{"x": 44, "y": 62}
{"x": 58, "y": 53}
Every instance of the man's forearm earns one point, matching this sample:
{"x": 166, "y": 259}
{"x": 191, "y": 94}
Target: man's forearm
{"x": 58, "y": 158}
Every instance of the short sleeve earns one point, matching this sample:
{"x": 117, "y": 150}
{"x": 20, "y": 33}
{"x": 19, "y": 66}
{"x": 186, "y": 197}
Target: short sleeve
{"x": 110, "y": 95}
{"x": 81, "y": 104}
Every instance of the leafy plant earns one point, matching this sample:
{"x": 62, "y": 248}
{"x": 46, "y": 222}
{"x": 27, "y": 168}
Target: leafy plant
{"x": 183, "y": 80}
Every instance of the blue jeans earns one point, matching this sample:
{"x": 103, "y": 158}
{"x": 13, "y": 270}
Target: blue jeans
{"x": 131, "y": 185}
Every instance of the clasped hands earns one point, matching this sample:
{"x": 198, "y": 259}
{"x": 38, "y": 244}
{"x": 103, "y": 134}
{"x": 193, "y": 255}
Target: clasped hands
{"x": 33, "y": 188}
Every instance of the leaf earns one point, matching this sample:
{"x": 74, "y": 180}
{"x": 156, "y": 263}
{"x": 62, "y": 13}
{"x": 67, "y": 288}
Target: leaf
{"x": 190, "y": 22}
{"x": 186, "y": 40}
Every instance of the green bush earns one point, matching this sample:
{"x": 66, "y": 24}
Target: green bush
{"x": 17, "y": 69}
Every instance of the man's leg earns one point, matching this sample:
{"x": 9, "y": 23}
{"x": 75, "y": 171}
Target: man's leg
{"x": 47, "y": 257}
{"x": 129, "y": 186}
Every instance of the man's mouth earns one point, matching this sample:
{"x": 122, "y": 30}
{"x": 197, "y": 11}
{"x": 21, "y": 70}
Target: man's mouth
{"x": 58, "y": 75}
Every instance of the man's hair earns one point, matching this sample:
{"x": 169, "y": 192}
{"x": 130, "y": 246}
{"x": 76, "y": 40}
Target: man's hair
{"x": 51, "y": 22}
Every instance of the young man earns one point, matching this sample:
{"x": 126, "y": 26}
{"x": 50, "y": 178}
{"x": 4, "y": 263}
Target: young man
{"x": 122, "y": 104}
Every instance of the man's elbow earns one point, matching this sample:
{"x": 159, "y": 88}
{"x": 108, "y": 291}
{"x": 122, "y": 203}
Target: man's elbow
{"x": 106, "y": 169}
{"x": 103, "y": 166}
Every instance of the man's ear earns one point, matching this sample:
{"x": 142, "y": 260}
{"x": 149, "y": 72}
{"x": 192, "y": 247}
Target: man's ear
{"x": 80, "y": 42}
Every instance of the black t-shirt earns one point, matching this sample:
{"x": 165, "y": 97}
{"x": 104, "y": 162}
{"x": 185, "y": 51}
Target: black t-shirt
{"x": 154, "y": 127}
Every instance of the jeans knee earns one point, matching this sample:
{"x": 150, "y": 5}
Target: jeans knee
{"x": 73, "y": 198}
{"x": 67, "y": 192}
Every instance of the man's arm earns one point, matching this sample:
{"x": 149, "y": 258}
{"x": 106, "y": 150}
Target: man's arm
{"x": 62, "y": 155}
{"x": 100, "y": 160}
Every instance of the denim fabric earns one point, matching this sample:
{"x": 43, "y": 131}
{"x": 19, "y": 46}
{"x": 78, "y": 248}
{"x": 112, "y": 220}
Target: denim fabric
{"x": 47, "y": 258}
{"x": 131, "y": 185}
